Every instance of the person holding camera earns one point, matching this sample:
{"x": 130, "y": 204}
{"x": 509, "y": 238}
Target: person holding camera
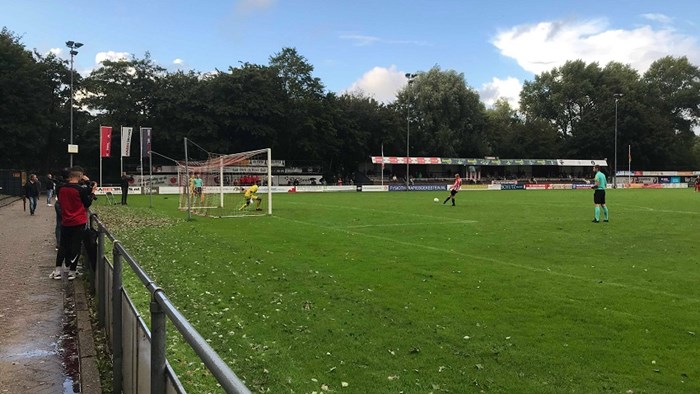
{"x": 75, "y": 198}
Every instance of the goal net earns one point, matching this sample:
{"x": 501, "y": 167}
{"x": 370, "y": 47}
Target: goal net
{"x": 216, "y": 187}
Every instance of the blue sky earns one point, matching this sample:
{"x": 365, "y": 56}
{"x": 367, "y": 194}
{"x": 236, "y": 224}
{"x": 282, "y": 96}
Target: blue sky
{"x": 367, "y": 45}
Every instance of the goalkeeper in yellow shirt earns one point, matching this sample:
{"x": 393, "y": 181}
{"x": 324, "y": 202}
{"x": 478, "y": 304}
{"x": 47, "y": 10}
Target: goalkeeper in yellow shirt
{"x": 250, "y": 196}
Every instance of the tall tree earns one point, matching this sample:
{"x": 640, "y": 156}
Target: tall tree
{"x": 446, "y": 117}
{"x": 673, "y": 93}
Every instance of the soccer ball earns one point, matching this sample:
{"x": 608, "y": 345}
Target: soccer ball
{"x": 436, "y": 199}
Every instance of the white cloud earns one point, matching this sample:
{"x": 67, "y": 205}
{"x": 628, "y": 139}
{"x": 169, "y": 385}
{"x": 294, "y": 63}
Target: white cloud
{"x": 381, "y": 83}
{"x": 111, "y": 55}
{"x": 661, "y": 18}
{"x": 178, "y": 61}
{"x": 546, "y": 45}
{"x": 508, "y": 89}
{"x": 55, "y": 51}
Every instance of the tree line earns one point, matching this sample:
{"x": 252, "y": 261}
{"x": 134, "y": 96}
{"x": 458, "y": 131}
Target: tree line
{"x": 567, "y": 112}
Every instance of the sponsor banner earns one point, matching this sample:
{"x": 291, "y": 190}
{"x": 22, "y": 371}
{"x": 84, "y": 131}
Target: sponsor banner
{"x": 500, "y": 162}
{"x": 646, "y": 179}
{"x": 675, "y": 185}
{"x": 145, "y": 141}
{"x": 494, "y": 187}
{"x": 126, "y": 141}
{"x": 402, "y": 160}
{"x": 560, "y": 186}
{"x": 670, "y": 179}
{"x": 399, "y": 188}
{"x": 101, "y": 191}
{"x": 512, "y": 187}
{"x": 474, "y": 187}
{"x": 502, "y": 182}
{"x": 581, "y": 163}
{"x": 581, "y": 186}
{"x": 375, "y": 188}
{"x": 158, "y": 180}
{"x": 263, "y": 163}
{"x": 536, "y": 186}
{"x": 105, "y": 141}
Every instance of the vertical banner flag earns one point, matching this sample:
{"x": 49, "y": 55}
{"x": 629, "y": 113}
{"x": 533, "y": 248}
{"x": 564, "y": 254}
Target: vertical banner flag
{"x": 105, "y": 141}
{"x": 382, "y": 157}
{"x": 629, "y": 153}
{"x": 126, "y": 140}
{"x": 145, "y": 141}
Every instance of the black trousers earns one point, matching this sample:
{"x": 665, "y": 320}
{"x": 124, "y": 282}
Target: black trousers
{"x": 125, "y": 194}
{"x": 69, "y": 251}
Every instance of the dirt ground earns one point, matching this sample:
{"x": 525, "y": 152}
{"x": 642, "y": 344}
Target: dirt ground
{"x": 37, "y": 344}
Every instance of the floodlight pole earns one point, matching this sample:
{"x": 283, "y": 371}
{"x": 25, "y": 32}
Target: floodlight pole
{"x": 617, "y": 97}
{"x": 410, "y": 78}
{"x": 187, "y": 183}
{"x": 72, "y": 45}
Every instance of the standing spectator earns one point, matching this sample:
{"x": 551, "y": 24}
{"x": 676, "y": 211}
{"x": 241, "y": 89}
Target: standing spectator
{"x": 31, "y": 191}
{"x": 454, "y": 190}
{"x": 75, "y": 199}
{"x": 198, "y": 187}
{"x": 125, "y": 187}
{"x": 50, "y": 189}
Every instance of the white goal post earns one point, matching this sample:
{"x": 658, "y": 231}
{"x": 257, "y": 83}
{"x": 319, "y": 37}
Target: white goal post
{"x": 215, "y": 187}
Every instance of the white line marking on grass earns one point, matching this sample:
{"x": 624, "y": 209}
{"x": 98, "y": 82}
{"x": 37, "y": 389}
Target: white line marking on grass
{"x": 639, "y": 208}
{"x": 496, "y": 261}
{"x": 435, "y": 223}
{"x": 345, "y": 207}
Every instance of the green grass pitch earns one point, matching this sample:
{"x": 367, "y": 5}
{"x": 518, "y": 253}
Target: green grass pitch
{"x": 512, "y": 291}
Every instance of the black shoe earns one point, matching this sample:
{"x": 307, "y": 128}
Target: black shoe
{"x": 606, "y": 220}
{"x": 596, "y": 221}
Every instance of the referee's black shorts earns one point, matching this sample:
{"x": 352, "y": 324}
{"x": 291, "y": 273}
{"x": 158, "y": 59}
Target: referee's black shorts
{"x": 599, "y": 197}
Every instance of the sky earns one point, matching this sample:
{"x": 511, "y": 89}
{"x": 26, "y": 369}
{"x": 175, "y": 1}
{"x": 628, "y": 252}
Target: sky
{"x": 366, "y": 45}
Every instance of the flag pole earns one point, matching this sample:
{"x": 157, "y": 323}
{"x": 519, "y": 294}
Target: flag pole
{"x": 381, "y": 167}
{"x": 100, "y": 153}
{"x": 629, "y": 164}
{"x": 121, "y": 152}
{"x": 150, "y": 179}
{"x": 141, "y": 158}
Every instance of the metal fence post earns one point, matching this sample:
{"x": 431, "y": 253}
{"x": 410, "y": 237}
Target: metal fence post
{"x": 158, "y": 323}
{"x": 101, "y": 290}
{"x": 117, "y": 350}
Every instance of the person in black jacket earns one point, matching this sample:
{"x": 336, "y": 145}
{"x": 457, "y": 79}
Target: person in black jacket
{"x": 50, "y": 189}
{"x": 125, "y": 187}
{"x": 31, "y": 191}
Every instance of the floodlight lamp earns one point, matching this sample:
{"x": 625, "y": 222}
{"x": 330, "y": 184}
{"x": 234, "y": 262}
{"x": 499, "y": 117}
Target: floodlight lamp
{"x": 70, "y": 43}
{"x": 78, "y": 44}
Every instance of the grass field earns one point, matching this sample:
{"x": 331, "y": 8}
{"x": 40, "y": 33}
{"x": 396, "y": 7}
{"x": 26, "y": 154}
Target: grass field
{"x": 514, "y": 292}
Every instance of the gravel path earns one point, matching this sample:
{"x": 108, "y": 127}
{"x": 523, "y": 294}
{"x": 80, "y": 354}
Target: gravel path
{"x": 35, "y": 333}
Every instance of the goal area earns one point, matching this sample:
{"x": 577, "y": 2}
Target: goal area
{"x": 216, "y": 187}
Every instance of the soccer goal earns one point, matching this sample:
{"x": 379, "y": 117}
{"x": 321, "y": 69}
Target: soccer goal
{"x": 215, "y": 187}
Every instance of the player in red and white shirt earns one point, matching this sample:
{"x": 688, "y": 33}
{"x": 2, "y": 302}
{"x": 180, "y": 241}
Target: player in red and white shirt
{"x": 454, "y": 190}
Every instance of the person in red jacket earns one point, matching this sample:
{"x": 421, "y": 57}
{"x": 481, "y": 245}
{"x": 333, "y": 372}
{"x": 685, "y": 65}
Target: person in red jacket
{"x": 75, "y": 199}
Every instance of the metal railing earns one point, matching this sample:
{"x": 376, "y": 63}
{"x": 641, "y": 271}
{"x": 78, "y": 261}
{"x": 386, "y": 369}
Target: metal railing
{"x": 138, "y": 355}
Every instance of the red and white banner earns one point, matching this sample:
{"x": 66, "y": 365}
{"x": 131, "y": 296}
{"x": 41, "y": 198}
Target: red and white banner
{"x": 402, "y": 160}
{"x": 105, "y": 141}
{"x": 126, "y": 140}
